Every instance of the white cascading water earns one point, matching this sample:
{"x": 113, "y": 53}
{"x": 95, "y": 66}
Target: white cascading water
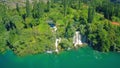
{"x": 56, "y": 44}
{"x": 57, "y": 41}
{"x": 77, "y": 39}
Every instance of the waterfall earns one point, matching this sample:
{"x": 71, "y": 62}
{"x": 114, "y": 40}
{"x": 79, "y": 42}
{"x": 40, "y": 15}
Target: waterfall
{"x": 77, "y": 39}
{"x": 56, "y": 44}
{"x": 57, "y": 41}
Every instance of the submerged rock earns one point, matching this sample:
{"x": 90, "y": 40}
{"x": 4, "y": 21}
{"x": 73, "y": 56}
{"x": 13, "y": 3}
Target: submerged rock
{"x": 49, "y": 52}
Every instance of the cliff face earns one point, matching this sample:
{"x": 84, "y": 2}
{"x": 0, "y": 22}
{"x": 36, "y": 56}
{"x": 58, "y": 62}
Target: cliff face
{"x": 12, "y": 3}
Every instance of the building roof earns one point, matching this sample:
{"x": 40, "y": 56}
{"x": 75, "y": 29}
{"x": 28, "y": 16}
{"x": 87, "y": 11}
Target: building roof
{"x": 115, "y": 23}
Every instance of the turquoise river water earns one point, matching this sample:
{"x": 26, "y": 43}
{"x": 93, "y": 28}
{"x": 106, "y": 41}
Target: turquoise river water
{"x": 78, "y": 58}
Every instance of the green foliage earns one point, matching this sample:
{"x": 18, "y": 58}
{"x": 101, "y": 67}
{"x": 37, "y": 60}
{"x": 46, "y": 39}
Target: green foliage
{"x": 69, "y": 31}
{"x": 66, "y": 44}
{"x": 116, "y": 19}
{"x": 3, "y": 38}
{"x": 108, "y": 8}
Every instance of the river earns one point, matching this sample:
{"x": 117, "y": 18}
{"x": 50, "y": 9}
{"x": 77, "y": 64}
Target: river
{"x": 77, "y": 58}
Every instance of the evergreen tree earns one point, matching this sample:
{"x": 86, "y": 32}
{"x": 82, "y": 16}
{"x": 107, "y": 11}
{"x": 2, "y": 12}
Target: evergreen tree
{"x": 34, "y": 12}
{"x": 48, "y": 5}
{"x": 27, "y": 8}
{"x": 65, "y": 7}
{"x": 69, "y": 3}
{"x": 69, "y": 31}
{"x": 17, "y": 8}
{"x": 79, "y": 4}
{"x": 91, "y": 13}
{"x": 40, "y": 8}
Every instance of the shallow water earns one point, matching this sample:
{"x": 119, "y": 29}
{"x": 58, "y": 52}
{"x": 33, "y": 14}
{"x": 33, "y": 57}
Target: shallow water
{"x": 79, "y": 58}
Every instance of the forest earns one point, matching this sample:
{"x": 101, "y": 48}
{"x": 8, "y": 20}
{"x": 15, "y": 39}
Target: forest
{"x": 25, "y": 29}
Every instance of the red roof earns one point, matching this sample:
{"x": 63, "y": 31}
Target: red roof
{"x": 115, "y": 23}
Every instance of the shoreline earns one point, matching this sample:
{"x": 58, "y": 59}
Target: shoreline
{"x": 53, "y": 52}
{"x": 48, "y": 52}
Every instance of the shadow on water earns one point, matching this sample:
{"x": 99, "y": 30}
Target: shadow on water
{"x": 79, "y": 58}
